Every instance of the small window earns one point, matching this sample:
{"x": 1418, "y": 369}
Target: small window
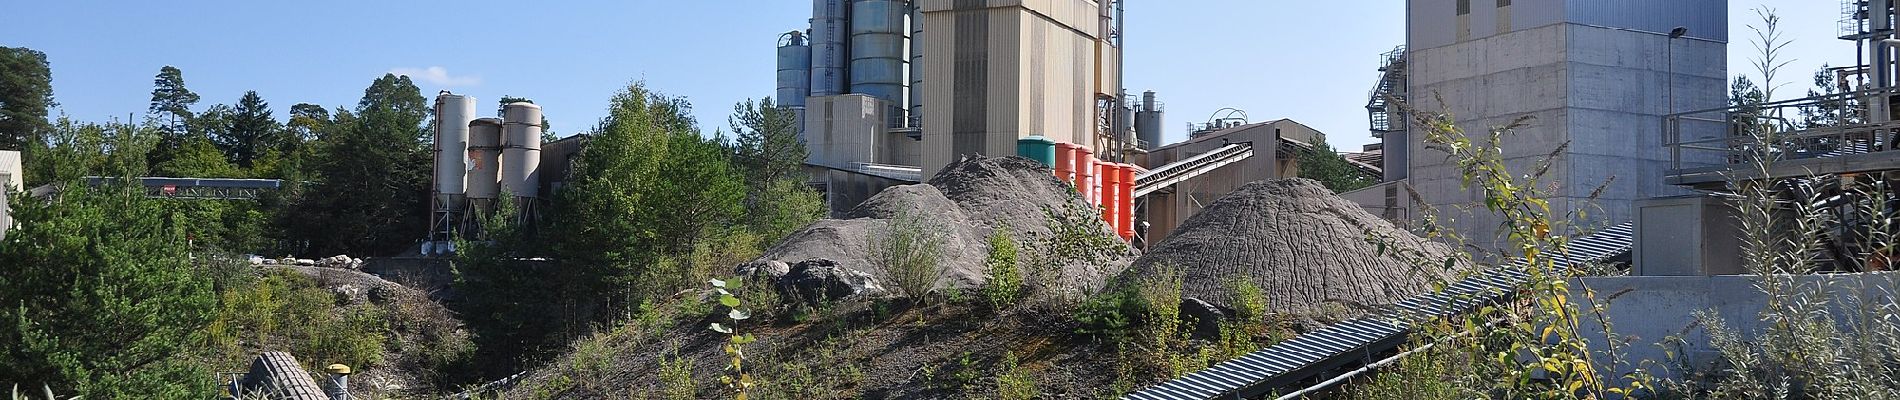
{"x": 1504, "y": 3}
{"x": 1464, "y": 7}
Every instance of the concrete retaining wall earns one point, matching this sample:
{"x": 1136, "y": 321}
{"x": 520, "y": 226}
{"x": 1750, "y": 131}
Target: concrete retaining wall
{"x": 1645, "y": 311}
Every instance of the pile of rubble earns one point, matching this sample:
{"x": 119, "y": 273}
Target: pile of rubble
{"x": 1302, "y": 245}
{"x": 336, "y": 261}
{"x": 962, "y": 205}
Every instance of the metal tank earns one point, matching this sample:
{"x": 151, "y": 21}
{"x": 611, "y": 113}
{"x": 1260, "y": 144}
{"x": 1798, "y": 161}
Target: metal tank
{"x": 916, "y": 89}
{"x": 452, "y": 114}
{"x": 877, "y": 49}
{"x": 521, "y": 149}
{"x": 794, "y": 69}
{"x": 794, "y": 77}
{"x": 484, "y": 155}
{"x": 1148, "y": 121}
{"x": 828, "y": 58}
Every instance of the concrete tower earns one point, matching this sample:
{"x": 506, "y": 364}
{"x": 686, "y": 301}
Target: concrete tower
{"x": 1597, "y": 74}
{"x": 1000, "y": 70}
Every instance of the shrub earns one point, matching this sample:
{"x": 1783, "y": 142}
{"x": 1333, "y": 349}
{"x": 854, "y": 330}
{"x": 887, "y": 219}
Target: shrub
{"x": 1005, "y": 284}
{"x": 908, "y": 252}
{"x": 676, "y": 377}
{"x": 1012, "y": 382}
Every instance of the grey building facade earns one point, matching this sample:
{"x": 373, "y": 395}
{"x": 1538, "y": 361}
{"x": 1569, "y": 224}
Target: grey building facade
{"x": 1597, "y": 75}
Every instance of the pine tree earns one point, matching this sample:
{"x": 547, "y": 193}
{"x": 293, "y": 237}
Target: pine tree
{"x": 648, "y": 188}
{"x": 171, "y": 101}
{"x": 1322, "y": 164}
{"x": 26, "y": 92}
{"x": 770, "y": 153}
{"x": 372, "y": 175}
{"x": 249, "y": 131}
{"x": 102, "y": 299}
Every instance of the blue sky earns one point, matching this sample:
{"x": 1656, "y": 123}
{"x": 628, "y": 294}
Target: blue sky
{"x": 1200, "y": 55}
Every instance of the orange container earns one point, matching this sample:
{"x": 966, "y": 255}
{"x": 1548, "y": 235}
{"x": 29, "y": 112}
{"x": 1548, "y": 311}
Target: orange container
{"x": 1111, "y": 198}
{"x": 1065, "y": 162}
{"x": 1085, "y": 173}
{"x": 1126, "y": 192}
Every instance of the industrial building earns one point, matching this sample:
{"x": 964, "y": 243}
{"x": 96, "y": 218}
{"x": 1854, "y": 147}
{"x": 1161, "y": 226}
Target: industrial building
{"x": 12, "y": 179}
{"x": 480, "y": 161}
{"x": 1595, "y": 77}
{"x": 889, "y": 91}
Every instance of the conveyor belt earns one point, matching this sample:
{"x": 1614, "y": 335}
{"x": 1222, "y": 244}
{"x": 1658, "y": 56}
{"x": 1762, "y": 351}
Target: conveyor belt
{"x": 1175, "y": 172}
{"x": 1313, "y": 356}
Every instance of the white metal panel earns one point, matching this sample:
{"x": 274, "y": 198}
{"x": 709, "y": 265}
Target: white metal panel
{"x": 12, "y": 169}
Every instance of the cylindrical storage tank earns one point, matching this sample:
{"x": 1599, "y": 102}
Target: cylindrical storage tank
{"x": 521, "y": 149}
{"x": 1037, "y": 148}
{"x": 1085, "y": 173}
{"x": 1065, "y": 162}
{"x": 828, "y": 58}
{"x": 916, "y": 62}
{"x": 484, "y": 155}
{"x": 794, "y": 70}
{"x": 877, "y": 49}
{"x": 1148, "y": 121}
{"x": 1111, "y": 202}
{"x": 1126, "y": 192}
{"x": 452, "y": 114}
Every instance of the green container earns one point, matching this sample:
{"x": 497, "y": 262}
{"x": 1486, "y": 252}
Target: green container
{"x": 1037, "y": 148}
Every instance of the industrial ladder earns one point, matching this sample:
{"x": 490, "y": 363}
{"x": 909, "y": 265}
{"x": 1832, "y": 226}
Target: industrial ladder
{"x": 1178, "y": 171}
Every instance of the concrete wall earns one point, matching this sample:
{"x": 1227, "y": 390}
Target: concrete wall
{"x": 1647, "y": 310}
{"x": 1687, "y": 236}
{"x": 1600, "y": 89}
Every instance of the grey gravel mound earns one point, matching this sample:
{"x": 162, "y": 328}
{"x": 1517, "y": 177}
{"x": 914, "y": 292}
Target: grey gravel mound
{"x": 1300, "y": 243}
{"x": 964, "y": 202}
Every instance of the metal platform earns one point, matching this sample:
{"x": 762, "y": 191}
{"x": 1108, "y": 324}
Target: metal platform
{"x": 1709, "y": 147}
{"x": 1310, "y": 358}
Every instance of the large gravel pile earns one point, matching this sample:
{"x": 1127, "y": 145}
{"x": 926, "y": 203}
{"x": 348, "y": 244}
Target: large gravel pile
{"x": 1300, "y": 243}
{"x": 963, "y": 203}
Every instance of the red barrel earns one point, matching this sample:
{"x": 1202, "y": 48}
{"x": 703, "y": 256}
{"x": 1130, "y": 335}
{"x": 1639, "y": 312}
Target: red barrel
{"x": 1126, "y": 192}
{"x": 1111, "y": 199}
{"x": 1065, "y": 161}
{"x": 1085, "y": 174}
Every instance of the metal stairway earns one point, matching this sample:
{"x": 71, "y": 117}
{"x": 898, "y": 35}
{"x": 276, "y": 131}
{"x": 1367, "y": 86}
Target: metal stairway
{"x": 1315, "y": 356}
{"x": 1391, "y": 84}
{"x": 1178, "y": 171}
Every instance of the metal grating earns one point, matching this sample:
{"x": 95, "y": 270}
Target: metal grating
{"x": 1314, "y": 356}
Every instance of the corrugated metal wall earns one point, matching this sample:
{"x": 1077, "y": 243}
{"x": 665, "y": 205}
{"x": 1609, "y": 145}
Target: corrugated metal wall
{"x": 999, "y": 70}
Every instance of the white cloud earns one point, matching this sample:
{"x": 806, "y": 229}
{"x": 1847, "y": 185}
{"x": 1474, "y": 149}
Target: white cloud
{"x": 437, "y": 76}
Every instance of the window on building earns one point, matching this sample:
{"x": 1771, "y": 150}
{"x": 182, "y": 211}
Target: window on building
{"x": 1504, "y": 3}
{"x": 1464, "y": 7}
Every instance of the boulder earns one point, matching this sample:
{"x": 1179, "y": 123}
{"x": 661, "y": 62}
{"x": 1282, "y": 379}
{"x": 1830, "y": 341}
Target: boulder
{"x": 817, "y": 281}
{"x": 762, "y": 270}
{"x": 1204, "y": 316}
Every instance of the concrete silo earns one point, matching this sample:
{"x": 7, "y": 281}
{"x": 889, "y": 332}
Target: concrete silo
{"x": 828, "y": 58}
{"x": 452, "y": 114}
{"x": 794, "y": 77}
{"x": 521, "y": 152}
{"x": 484, "y": 170}
{"x": 878, "y": 58}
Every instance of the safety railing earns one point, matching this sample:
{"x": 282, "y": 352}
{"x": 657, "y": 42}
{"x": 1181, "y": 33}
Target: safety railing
{"x": 1709, "y": 145}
